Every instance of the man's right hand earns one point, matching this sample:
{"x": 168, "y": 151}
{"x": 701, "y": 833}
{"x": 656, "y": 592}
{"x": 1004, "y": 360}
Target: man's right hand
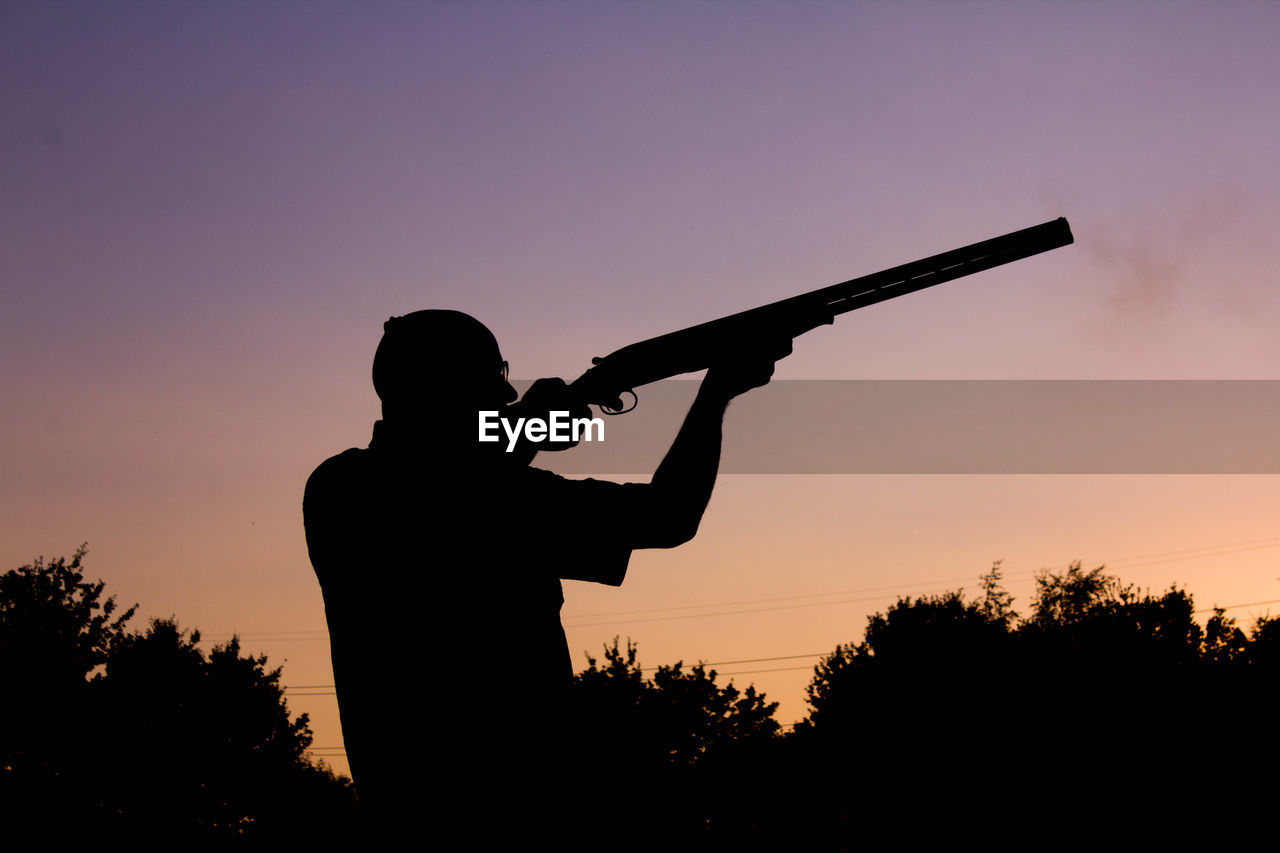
{"x": 746, "y": 367}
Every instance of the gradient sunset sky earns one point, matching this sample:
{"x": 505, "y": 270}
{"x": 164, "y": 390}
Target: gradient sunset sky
{"x": 209, "y": 209}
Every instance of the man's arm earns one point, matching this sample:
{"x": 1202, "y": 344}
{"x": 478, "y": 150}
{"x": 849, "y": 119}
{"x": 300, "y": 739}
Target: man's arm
{"x": 681, "y": 487}
{"x": 666, "y": 511}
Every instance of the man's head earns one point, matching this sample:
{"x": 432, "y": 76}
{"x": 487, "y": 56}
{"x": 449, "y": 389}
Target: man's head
{"x": 437, "y": 362}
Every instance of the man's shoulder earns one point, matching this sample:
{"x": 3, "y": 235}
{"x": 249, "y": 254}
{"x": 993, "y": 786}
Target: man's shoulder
{"x": 343, "y": 470}
{"x": 351, "y": 461}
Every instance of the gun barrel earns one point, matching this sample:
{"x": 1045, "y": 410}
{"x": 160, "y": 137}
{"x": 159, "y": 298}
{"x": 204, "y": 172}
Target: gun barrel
{"x": 926, "y": 272}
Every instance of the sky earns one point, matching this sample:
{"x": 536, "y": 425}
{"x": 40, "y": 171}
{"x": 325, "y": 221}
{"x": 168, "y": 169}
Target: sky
{"x": 207, "y": 210}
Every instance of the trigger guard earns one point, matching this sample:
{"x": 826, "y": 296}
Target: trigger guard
{"x": 635, "y": 401}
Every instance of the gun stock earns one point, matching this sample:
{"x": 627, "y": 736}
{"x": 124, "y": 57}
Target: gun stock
{"x": 695, "y": 348}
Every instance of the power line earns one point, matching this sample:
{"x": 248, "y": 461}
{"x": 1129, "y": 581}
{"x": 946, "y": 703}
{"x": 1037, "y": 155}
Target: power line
{"x": 1208, "y": 551}
{"x": 712, "y": 663}
{"x": 1273, "y": 540}
{"x": 779, "y": 669}
{"x": 1175, "y": 555}
{"x": 324, "y": 631}
{"x": 890, "y": 588}
{"x": 764, "y": 660}
{"x": 1178, "y": 555}
{"x": 1197, "y": 556}
{"x": 1237, "y": 606}
{"x": 330, "y": 690}
{"x": 752, "y": 610}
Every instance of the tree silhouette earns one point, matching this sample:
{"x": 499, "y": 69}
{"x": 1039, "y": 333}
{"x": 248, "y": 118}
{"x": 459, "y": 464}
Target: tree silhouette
{"x": 55, "y": 631}
{"x": 1092, "y": 618}
{"x": 1223, "y": 642}
{"x": 241, "y": 758}
{"x": 674, "y": 745}
{"x": 111, "y": 733}
{"x": 1263, "y": 648}
{"x": 682, "y": 714}
{"x": 917, "y": 657}
{"x": 997, "y": 603}
{"x": 946, "y": 708}
{"x": 949, "y": 706}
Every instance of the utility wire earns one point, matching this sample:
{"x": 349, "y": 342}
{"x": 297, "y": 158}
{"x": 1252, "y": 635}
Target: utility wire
{"x": 755, "y": 609}
{"x": 1122, "y": 562}
{"x": 891, "y": 588}
{"x": 329, "y": 689}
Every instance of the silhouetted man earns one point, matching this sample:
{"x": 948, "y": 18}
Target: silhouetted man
{"x": 440, "y": 558}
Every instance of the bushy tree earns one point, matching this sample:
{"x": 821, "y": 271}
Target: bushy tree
{"x": 1223, "y": 642}
{"x": 239, "y": 754}
{"x": 954, "y": 705}
{"x": 112, "y": 733}
{"x": 681, "y": 713}
{"x": 56, "y": 631}
{"x": 676, "y": 746}
{"x": 920, "y": 657}
{"x": 1090, "y": 618}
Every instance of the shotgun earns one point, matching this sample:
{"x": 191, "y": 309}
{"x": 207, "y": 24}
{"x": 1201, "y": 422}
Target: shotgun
{"x": 694, "y": 348}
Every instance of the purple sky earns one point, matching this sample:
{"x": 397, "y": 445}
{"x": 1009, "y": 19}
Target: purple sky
{"x": 208, "y": 209}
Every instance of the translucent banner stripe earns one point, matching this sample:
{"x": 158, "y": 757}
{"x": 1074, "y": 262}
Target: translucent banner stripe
{"x": 958, "y": 427}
